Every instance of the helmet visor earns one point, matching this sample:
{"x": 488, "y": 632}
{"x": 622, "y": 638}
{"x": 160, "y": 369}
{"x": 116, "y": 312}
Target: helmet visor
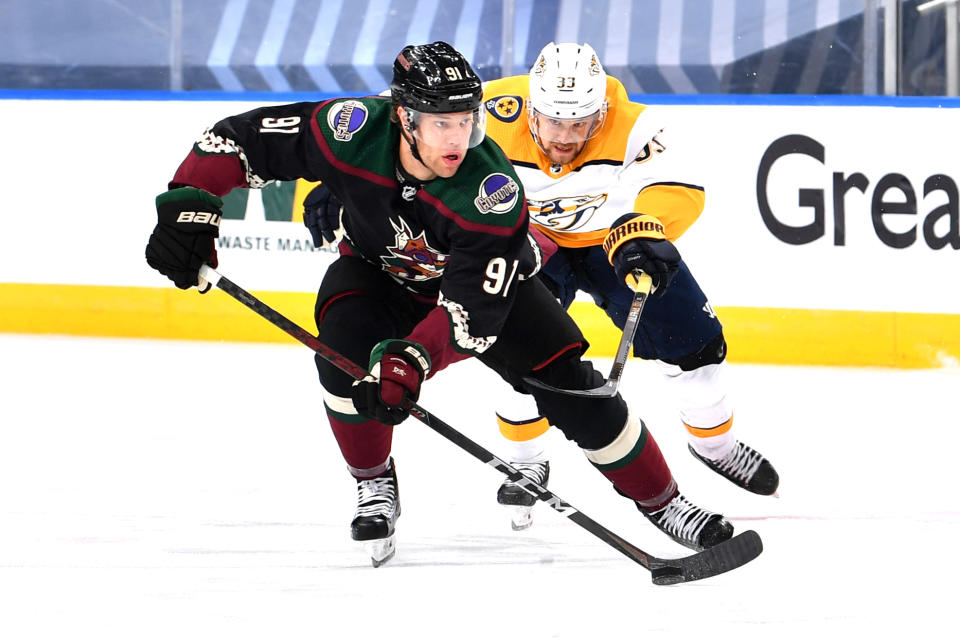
{"x": 449, "y": 129}
{"x": 566, "y": 130}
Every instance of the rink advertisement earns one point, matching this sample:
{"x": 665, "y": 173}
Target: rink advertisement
{"x": 831, "y": 232}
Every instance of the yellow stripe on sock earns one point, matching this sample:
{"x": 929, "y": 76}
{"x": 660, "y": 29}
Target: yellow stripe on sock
{"x": 523, "y": 431}
{"x": 710, "y": 432}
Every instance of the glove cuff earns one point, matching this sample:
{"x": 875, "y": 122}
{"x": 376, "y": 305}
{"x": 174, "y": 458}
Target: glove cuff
{"x": 191, "y": 209}
{"x": 410, "y": 351}
{"x": 189, "y": 194}
{"x": 631, "y": 227}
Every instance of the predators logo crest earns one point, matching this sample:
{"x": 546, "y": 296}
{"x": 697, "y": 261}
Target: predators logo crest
{"x": 505, "y": 108}
{"x": 565, "y": 213}
{"x": 412, "y": 258}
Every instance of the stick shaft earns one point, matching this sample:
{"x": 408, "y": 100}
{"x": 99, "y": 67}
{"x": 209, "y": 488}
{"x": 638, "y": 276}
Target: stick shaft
{"x": 641, "y": 284}
{"x": 430, "y": 420}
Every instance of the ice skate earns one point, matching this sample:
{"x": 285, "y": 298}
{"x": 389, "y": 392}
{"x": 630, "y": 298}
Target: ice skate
{"x": 378, "y": 507}
{"x": 746, "y": 468}
{"x": 520, "y": 501}
{"x": 689, "y": 525}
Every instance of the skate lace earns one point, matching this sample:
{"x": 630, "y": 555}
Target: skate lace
{"x": 534, "y": 471}
{"x": 376, "y": 497}
{"x": 682, "y": 519}
{"x": 742, "y": 462}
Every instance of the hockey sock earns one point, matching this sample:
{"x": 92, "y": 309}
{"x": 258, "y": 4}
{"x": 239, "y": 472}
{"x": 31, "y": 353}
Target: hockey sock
{"x": 635, "y": 465}
{"x": 712, "y": 443}
{"x": 705, "y": 409}
{"x": 364, "y": 443}
{"x": 524, "y": 438}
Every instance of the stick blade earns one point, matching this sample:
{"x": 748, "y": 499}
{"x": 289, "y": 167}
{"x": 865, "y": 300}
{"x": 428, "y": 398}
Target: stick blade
{"x": 717, "y": 560}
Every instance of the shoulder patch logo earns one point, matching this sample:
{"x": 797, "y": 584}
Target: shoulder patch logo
{"x": 346, "y": 118}
{"x": 497, "y": 194}
{"x": 505, "y": 108}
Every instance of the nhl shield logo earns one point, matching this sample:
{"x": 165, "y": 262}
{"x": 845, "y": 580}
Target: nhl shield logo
{"x": 497, "y": 194}
{"x": 346, "y": 118}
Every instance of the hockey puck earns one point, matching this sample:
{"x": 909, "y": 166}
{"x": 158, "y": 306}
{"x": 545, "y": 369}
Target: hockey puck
{"x": 666, "y": 575}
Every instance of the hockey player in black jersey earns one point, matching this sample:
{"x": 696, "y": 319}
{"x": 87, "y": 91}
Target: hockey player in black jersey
{"x": 435, "y": 265}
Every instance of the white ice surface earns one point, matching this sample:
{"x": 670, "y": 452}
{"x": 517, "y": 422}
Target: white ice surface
{"x": 171, "y": 489}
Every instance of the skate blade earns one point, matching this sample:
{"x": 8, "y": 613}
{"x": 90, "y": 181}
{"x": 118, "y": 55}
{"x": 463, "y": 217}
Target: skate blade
{"x": 521, "y": 517}
{"x": 380, "y": 550}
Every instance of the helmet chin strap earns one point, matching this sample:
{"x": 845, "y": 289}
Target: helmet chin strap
{"x": 412, "y": 142}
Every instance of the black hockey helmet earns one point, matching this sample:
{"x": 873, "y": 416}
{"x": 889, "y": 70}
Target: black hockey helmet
{"x": 435, "y": 78}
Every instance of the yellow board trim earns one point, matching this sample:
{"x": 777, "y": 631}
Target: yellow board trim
{"x": 754, "y": 335}
{"x": 812, "y": 337}
{"x": 122, "y": 311}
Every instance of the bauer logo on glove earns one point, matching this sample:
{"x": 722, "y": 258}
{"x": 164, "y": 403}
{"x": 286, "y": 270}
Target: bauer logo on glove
{"x": 188, "y": 222}
{"x": 199, "y": 217}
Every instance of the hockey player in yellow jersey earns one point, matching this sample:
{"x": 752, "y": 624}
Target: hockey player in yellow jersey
{"x": 590, "y": 161}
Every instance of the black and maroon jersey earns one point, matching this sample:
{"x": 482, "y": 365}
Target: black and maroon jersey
{"x": 462, "y": 240}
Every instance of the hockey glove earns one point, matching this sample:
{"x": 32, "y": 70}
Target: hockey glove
{"x": 397, "y": 368}
{"x": 321, "y": 215}
{"x": 636, "y": 242}
{"x": 188, "y": 221}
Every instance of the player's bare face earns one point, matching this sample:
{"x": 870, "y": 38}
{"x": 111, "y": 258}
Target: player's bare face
{"x": 442, "y": 141}
{"x": 563, "y": 139}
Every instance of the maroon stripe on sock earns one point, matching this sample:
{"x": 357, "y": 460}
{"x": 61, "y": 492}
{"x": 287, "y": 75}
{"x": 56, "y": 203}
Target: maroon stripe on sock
{"x": 647, "y": 478}
{"x": 364, "y": 444}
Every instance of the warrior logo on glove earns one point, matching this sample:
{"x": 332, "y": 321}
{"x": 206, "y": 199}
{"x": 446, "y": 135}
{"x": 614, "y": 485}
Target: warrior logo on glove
{"x": 641, "y": 226}
{"x": 637, "y": 242}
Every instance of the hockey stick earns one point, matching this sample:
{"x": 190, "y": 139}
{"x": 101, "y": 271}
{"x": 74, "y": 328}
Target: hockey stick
{"x": 641, "y": 286}
{"x": 723, "y": 557}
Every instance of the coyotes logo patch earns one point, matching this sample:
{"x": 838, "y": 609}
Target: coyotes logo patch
{"x": 412, "y": 258}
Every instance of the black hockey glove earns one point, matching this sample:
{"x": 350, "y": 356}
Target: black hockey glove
{"x": 636, "y": 242}
{"x": 397, "y": 368}
{"x": 188, "y": 221}
{"x": 321, "y": 215}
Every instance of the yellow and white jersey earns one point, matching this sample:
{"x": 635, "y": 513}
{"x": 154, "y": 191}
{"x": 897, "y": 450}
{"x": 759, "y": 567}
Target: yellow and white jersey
{"x": 624, "y": 168}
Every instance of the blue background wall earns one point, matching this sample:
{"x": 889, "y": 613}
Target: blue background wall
{"x": 654, "y": 46}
